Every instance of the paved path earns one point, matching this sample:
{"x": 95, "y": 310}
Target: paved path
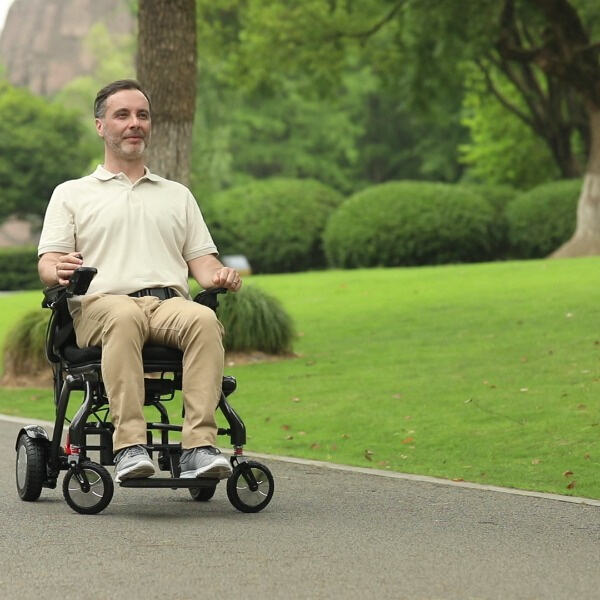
{"x": 326, "y": 534}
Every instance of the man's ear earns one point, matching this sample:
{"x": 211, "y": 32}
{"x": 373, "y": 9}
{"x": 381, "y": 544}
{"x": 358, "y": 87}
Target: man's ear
{"x": 100, "y": 127}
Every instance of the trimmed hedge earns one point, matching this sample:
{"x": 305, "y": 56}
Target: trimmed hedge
{"x": 498, "y": 196}
{"x": 410, "y": 223}
{"x": 18, "y": 269}
{"x": 543, "y": 218}
{"x": 276, "y": 223}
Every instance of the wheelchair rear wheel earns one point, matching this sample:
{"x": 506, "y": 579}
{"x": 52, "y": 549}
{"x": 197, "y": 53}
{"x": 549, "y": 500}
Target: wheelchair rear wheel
{"x": 99, "y": 495}
{"x": 250, "y": 487}
{"x": 30, "y": 468}
{"x": 203, "y": 494}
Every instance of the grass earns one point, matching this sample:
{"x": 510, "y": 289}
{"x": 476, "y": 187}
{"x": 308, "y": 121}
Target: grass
{"x": 485, "y": 372}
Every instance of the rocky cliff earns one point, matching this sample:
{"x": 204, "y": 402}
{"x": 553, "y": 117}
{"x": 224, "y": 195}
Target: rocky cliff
{"x": 41, "y": 45}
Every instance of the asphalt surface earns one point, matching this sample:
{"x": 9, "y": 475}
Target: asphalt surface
{"x": 326, "y": 534}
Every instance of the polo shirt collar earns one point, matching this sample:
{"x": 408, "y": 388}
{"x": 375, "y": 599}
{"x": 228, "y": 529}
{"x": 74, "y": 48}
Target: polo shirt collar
{"x": 104, "y": 175}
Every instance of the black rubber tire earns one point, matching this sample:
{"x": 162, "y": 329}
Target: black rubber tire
{"x": 100, "y": 494}
{"x": 30, "y": 475}
{"x": 203, "y": 494}
{"x": 238, "y": 490}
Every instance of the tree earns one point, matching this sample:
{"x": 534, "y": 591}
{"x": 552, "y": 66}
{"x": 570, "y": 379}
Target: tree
{"x": 166, "y": 67}
{"x": 41, "y": 147}
{"x": 545, "y": 48}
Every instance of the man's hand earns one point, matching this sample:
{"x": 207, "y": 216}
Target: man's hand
{"x": 66, "y": 265}
{"x": 228, "y": 278}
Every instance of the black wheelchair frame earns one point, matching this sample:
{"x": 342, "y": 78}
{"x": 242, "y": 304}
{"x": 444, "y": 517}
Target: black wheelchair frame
{"x": 87, "y": 486}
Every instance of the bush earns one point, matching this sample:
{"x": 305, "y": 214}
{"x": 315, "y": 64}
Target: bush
{"x": 254, "y": 320}
{"x": 276, "y": 223}
{"x": 409, "y": 223}
{"x": 18, "y": 269}
{"x": 498, "y": 196}
{"x": 24, "y": 346}
{"x": 540, "y": 220}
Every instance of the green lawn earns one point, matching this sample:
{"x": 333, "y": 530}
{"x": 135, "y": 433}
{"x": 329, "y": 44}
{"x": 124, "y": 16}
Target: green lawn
{"x": 484, "y": 372}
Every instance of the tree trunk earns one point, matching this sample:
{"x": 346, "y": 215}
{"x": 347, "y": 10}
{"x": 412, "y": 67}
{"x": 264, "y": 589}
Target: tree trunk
{"x": 166, "y": 67}
{"x": 586, "y": 239}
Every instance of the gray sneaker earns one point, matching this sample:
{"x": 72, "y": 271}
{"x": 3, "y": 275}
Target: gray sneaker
{"x": 133, "y": 462}
{"x": 206, "y": 461}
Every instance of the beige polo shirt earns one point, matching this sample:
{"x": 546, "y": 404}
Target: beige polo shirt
{"x": 137, "y": 235}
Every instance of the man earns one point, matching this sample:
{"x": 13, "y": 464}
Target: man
{"x": 144, "y": 234}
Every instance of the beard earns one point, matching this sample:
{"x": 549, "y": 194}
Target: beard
{"x": 121, "y": 147}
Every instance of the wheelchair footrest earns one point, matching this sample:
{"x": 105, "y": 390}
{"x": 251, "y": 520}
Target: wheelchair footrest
{"x": 167, "y": 482}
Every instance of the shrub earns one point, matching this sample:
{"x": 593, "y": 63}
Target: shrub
{"x": 18, "y": 269}
{"x": 24, "y": 346}
{"x": 541, "y": 219}
{"x": 409, "y": 223}
{"x": 276, "y": 223}
{"x": 498, "y": 196}
{"x": 254, "y": 320}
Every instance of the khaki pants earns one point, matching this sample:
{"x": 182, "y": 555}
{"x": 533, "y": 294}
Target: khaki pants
{"x": 122, "y": 325}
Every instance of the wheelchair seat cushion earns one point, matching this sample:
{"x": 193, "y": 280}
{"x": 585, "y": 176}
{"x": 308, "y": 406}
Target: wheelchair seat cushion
{"x": 154, "y": 354}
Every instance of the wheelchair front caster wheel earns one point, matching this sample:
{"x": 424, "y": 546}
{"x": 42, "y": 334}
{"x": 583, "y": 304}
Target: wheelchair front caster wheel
{"x": 203, "y": 494}
{"x": 90, "y": 490}
{"x": 250, "y": 487}
{"x": 31, "y": 467}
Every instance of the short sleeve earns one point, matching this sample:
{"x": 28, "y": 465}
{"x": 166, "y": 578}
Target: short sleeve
{"x": 58, "y": 230}
{"x": 198, "y": 241}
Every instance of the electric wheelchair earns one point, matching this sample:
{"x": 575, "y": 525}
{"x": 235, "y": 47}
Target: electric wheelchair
{"x": 87, "y": 486}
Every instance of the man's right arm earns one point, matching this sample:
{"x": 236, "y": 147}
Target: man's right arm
{"x": 57, "y": 267}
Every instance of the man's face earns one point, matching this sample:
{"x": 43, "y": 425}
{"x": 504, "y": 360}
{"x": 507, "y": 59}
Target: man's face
{"x": 125, "y": 126}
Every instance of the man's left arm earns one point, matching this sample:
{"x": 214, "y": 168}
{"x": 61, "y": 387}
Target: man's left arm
{"x": 209, "y": 272}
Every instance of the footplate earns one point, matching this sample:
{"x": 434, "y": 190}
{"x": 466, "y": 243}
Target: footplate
{"x": 166, "y": 482}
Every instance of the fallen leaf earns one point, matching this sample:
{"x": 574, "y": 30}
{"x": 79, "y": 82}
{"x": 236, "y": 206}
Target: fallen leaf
{"x": 285, "y": 427}
{"x": 568, "y": 473}
{"x": 408, "y": 440}
{"x": 524, "y": 390}
{"x": 267, "y": 419}
{"x": 302, "y": 433}
{"x": 368, "y": 454}
{"x": 295, "y": 399}
{"x": 581, "y": 407}
{"x": 334, "y": 447}
{"x": 571, "y": 485}
{"x": 289, "y": 437}
{"x": 569, "y": 315}
{"x": 458, "y": 479}
{"x": 536, "y": 461}
{"x": 383, "y": 463}
{"x": 315, "y": 446}
{"x": 586, "y": 456}
{"x": 345, "y": 436}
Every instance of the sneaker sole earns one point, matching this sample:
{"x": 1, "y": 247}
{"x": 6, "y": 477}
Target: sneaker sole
{"x": 139, "y": 470}
{"x": 220, "y": 470}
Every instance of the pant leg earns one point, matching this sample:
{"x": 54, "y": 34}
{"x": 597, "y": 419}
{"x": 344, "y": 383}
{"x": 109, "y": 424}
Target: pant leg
{"x": 119, "y": 324}
{"x": 194, "y": 329}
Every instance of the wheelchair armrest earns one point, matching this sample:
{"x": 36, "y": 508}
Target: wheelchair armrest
{"x": 209, "y": 297}
{"x": 78, "y": 286}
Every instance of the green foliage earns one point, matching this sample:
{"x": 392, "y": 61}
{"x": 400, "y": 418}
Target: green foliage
{"x": 18, "y": 269}
{"x": 24, "y": 345}
{"x": 543, "y": 218}
{"x": 498, "y": 197}
{"x": 275, "y": 223}
{"x": 255, "y": 320}
{"x": 409, "y": 223}
{"x": 41, "y": 147}
{"x": 502, "y": 149}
